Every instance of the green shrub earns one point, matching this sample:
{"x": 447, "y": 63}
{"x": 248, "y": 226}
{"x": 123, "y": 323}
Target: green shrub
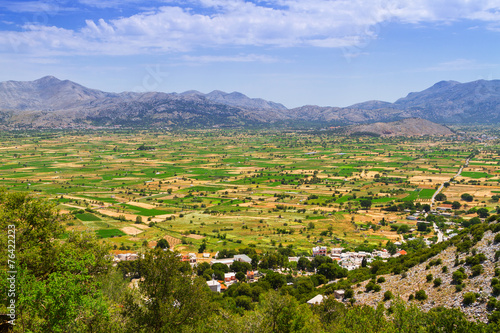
{"x": 469, "y": 298}
{"x": 388, "y": 295}
{"x": 496, "y": 289}
{"x": 437, "y": 282}
{"x": 420, "y": 295}
{"x": 459, "y": 275}
{"x": 429, "y": 277}
{"x": 492, "y": 303}
{"x": 497, "y": 238}
{"x": 477, "y": 269}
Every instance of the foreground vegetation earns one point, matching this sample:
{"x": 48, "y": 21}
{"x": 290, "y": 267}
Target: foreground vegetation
{"x": 67, "y": 284}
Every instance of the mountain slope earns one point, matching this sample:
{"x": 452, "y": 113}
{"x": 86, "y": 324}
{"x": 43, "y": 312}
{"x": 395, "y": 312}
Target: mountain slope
{"x": 405, "y": 127}
{"x": 445, "y": 294}
{"x": 50, "y": 102}
{"x": 454, "y": 102}
{"x": 47, "y": 93}
{"x": 240, "y": 100}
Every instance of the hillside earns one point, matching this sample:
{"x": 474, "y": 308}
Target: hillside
{"x": 405, "y": 127}
{"x": 49, "y": 102}
{"x": 454, "y": 102}
{"x": 446, "y": 294}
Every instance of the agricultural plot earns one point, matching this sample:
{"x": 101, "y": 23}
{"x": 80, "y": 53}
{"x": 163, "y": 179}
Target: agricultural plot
{"x": 239, "y": 188}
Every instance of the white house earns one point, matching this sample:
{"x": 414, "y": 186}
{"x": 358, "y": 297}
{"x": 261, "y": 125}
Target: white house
{"x": 214, "y": 285}
{"x": 316, "y": 300}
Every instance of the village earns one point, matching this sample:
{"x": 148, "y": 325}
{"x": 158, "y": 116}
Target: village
{"x": 349, "y": 260}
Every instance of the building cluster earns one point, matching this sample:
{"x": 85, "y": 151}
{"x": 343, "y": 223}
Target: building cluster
{"x": 125, "y": 257}
{"x": 349, "y": 260}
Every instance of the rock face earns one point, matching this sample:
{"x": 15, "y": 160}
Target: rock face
{"x": 405, "y": 127}
{"x": 50, "y": 102}
{"x": 445, "y": 294}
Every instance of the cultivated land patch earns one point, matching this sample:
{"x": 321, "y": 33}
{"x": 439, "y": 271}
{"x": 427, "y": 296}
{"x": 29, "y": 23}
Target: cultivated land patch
{"x": 238, "y": 188}
{"x": 131, "y": 230}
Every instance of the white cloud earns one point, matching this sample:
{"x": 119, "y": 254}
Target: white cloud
{"x": 36, "y": 7}
{"x": 459, "y": 65}
{"x": 277, "y": 23}
{"x": 225, "y": 59}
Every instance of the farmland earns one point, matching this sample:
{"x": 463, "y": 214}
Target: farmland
{"x": 243, "y": 188}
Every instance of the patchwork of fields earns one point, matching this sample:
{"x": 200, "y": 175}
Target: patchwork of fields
{"x": 242, "y": 188}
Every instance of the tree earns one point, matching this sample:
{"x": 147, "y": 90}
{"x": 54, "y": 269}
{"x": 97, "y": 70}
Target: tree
{"x": 138, "y": 219}
{"x": 304, "y": 264}
{"x": 403, "y": 228}
{"x": 365, "y": 203}
{"x": 391, "y": 247}
{"x": 241, "y": 276}
{"x": 456, "y": 205}
{"x": 239, "y": 266}
{"x": 162, "y": 244}
{"x": 68, "y": 298}
{"x": 375, "y": 266}
{"x": 170, "y": 298}
{"x": 276, "y": 280}
{"x": 332, "y": 271}
{"x": 37, "y": 223}
{"x": 57, "y": 288}
{"x": 440, "y": 197}
{"x": 483, "y": 213}
{"x": 282, "y": 314}
{"x": 467, "y": 197}
{"x": 203, "y": 246}
{"x": 472, "y": 221}
{"x": 422, "y": 227}
{"x": 201, "y": 268}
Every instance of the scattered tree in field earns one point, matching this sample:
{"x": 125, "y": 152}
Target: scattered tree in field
{"x": 440, "y": 197}
{"x": 467, "y": 197}
{"x": 162, "y": 244}
{"x": 365, "y": 203}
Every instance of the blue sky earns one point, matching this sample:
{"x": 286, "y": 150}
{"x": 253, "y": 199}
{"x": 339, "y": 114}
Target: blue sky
{"x": 296, "y": 52}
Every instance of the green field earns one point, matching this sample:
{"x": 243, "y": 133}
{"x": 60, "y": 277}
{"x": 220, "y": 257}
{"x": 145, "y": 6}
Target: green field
{"x": 235, "y": 188}
{"x": 426, "y": 193}
{"x": 106, "y": 233}
{"x": 87, "y": 217}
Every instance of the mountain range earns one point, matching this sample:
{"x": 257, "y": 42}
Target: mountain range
{"x": 49, "y": 102}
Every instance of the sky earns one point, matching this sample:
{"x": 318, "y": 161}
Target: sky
{"x": 294, "y": 52}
